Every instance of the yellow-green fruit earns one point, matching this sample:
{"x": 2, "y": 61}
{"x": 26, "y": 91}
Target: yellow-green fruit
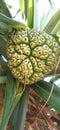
{"x": 31, "y": 55}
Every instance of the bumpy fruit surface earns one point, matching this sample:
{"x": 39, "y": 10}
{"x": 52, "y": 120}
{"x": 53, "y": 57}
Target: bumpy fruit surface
{"x": 31, "y": 55}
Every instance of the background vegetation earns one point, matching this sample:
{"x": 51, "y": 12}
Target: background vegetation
{"x": 32, "y": 107}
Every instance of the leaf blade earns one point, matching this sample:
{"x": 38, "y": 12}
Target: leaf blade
{"x": 12, "y": 97}
{"x": 22, "y": 8}
{"x": 4, "y": 9}
{"x": 11, "y": 23}
{"x": 30, "y": 13}
{"x": 8, "y": 97}
{"x": 53, "y": 21}
{"x": 18, "y": 117}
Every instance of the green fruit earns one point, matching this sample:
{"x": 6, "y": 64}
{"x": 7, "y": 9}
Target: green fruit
{"x": 31, "y": 55}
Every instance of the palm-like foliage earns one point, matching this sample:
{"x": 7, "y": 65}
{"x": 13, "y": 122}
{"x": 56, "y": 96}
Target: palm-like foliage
{"x": 39, "y": 94}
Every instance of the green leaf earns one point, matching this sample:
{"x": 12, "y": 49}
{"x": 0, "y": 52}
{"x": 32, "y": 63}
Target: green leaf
{"x": 11, "y": 23}
{"x": 3, "y": 27}
{"x": 27, "y": 8}
{"x": 22, "y": 7}
{"x": 4, "y": 9}
{"x": 35, "y": 14}
{"x": 12, "y": 97}
{"x": 8, "y": 97}
{"x": 56, "y": 28}
{"x": 3, "y": 79}
{"x": 30, "y": 13}
{"x": 43, "y": 89}
{"x": 19, "y": 115}
{"x": 53, "y": 21}
{"x": 45, "y": 18}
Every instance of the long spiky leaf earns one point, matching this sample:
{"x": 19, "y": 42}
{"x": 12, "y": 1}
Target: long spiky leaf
{"x": 7, "y": 102}
{"x": 4, "y": 9}
{"x": 19, "y": 115}
{"x": 53, "y": 21}
{"x": 12, "y": 97}
{"x": 22, "y": 7}
{"x": 30, "y": 13}
{"x": 12, "y": 23}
